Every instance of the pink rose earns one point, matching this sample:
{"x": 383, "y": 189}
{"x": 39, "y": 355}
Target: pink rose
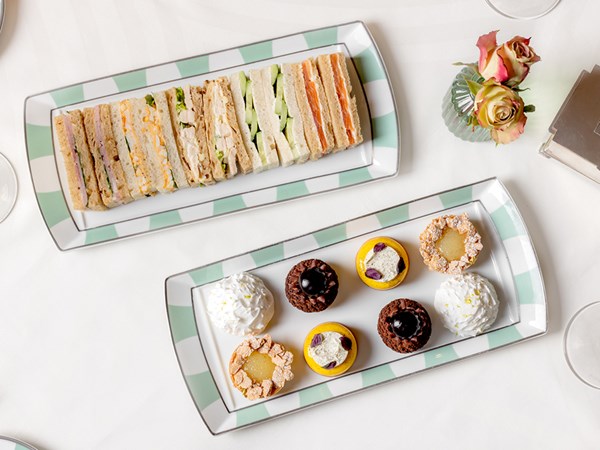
{"x": 508, "y": 63}
{"x": 501, "y": 110}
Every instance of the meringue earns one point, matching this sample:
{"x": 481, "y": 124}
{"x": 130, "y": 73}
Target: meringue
{"x": 240, "y": 305}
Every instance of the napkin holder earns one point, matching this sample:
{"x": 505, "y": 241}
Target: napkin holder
{"x": 575, "y": 131}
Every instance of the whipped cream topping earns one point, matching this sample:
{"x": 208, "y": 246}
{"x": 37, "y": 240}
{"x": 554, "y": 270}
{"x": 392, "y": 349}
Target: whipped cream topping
{"x": 328, "y": 350}
{"x": 467, "y": 303}
{"x": 384, "y": 261}
{"x": 240, "y": 304}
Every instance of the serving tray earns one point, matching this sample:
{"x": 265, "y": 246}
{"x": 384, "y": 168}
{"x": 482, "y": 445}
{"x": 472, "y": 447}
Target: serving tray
{"x": 508, "y": 261}
{"x": 376, "y": 158}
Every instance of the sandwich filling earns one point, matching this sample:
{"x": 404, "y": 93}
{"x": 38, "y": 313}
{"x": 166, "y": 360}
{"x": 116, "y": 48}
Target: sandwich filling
{"x": 251, "y": 117}
{"x": 316, "y": 109}
{"x": 76, "y": 159}
{"x": 187, "y": 133}
{"x": 157, "y": 141}
{"x": 286, "y": 122}
{"x": 342, "y": 94}
{"x": 223, "y": 141}
{"x": 110, "y": 175}
{"x": 135, "y": 150}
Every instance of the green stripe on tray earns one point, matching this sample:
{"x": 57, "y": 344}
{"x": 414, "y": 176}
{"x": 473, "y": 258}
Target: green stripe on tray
{"x": 440, "y": 356}
{"x": 503, "y": 336}
{"x": 131, "y": 80}
{"x": 257, "y": 52}
{"x": 457, "y": 197}
{"x": 314, "y": 394}
{"x": 377, "y": 375}
{"x": 164, "y": 220}
{"x": 368, "y": 65}
{"x": 229, "y": 204}
{"x": 292, "y": 190}
{"x": 68, "y": 95}
{"x": 203, "y": 389}
{"x": 331, "y": 235}
{"x": 183, "y": 324}
{"x": 100, "y": 234}
{"x": 251, "y": 414}
{"x": 21, "y": 447}
{"x": 207, "y": 274}
{"x": 393, "y": 216}
{"x": 385, "y": 131}
{"x": 354, "y": 176}
{"x": 39, "y": 141}
{"x": 193, "y": 66}
{"x": 53, "y": 206}
{"x": 268, "y": 255}
{"x": 525, "y": 285}
{"x": 321, "y": 38}
{"x": 507, "y": 222}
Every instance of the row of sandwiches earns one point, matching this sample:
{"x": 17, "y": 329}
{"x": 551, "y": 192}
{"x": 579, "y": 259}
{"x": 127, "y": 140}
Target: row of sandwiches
{"x": 191, "y": 136}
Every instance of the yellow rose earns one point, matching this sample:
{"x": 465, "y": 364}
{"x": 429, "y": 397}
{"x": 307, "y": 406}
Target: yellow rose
{"x": 501, "y": 110}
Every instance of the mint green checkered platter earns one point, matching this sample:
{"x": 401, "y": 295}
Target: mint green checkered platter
{"x": 380, "y": 153}
{"x": 517, "y": 278}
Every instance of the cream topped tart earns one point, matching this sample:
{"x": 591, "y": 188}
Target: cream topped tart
{"x": 260, "y": 367}
{"x": 450, "y": 244}
{"x": 330, "y": 349}
{"x": 382, "y": 263}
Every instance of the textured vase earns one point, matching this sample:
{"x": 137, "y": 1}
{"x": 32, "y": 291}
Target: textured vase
{"x": 457, "y": 106}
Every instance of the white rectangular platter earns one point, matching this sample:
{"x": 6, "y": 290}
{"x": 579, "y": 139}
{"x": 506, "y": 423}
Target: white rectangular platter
{"x": 376, "y": 158}
{"x": 508, "y": 261}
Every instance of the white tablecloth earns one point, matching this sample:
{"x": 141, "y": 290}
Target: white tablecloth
{"x": 86, "y": 360}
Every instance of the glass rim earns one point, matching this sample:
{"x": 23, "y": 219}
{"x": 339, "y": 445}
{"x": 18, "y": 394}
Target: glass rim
{"x": 566, "y": 336}
{"x": 4, "y": 160}
{"x": 511, "y": 16}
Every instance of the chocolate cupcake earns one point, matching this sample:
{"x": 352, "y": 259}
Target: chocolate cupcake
{"x": 404, "y": 325}
{"x": 311, "y": 285}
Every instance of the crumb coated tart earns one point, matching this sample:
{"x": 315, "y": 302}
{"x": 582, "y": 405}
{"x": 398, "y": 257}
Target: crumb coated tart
{"x": 404, "y": 325}
{"x": 311, "y": 285}
{"x": 382, "y": 263}
{"x": 330, "y": 349}
{"x": 450, "y": 244}
{"x": 260, "y": 367}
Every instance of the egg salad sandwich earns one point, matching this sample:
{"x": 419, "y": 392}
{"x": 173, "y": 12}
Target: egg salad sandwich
{"x": 342, "y": 104}
{"x": 194, "y": 159}
{"x": 133, "y": 158}
{"x": 79, "y": 164}
{"x": 314, "y": 109}
{"x": 161, "y": 162}
{"x": 107, "y": 166}
{"x": 223, "y": 136}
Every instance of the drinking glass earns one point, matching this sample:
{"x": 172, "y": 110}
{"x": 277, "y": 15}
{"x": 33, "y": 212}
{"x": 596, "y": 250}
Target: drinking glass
{"x": 8, "y": 187}
{"x": 582, "y": 344}
{"x": 523, "y": 9}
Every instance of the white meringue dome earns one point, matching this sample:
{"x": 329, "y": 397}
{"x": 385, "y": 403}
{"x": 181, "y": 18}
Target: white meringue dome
{"x": 240, "y": 304}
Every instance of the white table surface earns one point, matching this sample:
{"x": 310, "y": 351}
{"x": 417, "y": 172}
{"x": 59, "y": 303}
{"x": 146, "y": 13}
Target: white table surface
{"x": 86, "y": 360}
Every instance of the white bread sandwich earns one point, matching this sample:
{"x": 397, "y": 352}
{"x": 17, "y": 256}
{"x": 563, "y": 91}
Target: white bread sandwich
{"x": 108, "y": 168}
{"x": 146, "y": 116}
{"x": 131, "y": 154}
{"x": 314, "y": 110}
{"x": 342, "y": 104}
{"x": 79, "y": 164}
{"x": 196, "y": 163}
{"x": 252, "y": 134}
{"x": 223, "y": 136}
{"x": 285, "y": 99}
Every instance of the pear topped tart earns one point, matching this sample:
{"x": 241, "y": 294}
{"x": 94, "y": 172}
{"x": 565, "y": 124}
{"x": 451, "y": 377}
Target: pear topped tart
{"x": 450, "y": 244}
{"x": 260, "y": 367}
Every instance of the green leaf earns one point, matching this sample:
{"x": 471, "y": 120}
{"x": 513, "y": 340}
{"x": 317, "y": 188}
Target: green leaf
{"x": 529, "y": 108}
{"x": 474, "y": 87}
{"x": 473, "y": 66}
{"x": 150, "y": 100}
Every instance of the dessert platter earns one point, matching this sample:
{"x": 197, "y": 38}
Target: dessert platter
{"x": 211, "y": 135}
{"x": 355, "y": 305}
